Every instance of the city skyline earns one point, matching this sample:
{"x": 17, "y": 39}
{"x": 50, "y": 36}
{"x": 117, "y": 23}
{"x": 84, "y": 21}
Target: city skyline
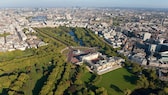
{"x": 85, "y": 3}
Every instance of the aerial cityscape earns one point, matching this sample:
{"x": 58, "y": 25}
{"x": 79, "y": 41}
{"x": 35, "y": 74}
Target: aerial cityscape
{"x": 84, "y": 47}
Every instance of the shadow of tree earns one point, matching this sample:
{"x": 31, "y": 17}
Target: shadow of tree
{"x": 131, "y": 79}
{"x": 7, "y": 74}
{"x": 143, "y": 91}
{"x": 39, "y": 84}
{"x": 116, "y": 88}
{"x": 4, "y": 91}
{"x": 92, "y": 78}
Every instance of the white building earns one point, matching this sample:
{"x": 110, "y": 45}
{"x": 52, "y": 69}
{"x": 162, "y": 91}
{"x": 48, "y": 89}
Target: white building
{"x": 146, "y": 36}
{"x": 101, "y": 64}
{"x": 91, "y": 56}
{"x": 152, "y": 47}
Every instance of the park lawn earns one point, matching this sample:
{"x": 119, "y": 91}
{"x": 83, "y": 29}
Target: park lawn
{"x": 17, "y": 54}
{"x": 30, "y": 84}
{"x": 117, "y": 81}
{"x": 86, "y": 76}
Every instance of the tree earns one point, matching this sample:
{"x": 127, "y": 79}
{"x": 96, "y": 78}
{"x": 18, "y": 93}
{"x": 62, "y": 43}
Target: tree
{"x": 101, "y": 91}
{"x": 85, "y": 91}
{"x": 161, "y": 92}
{"x": 153, "y": 75}
{"x": 91, "y": 92}
{"x": 11, "y": 92}
{"x": 136, "y": 68}
{"x": 127, "y": 92}
{"x": 152, "y": 85}
{"x": 79, "y": 93}
{"x": 166, "y": 90}
{"x": 142, "y": 82}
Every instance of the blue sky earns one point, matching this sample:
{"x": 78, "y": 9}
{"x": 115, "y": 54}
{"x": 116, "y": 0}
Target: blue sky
{"x": 85, "y": 3}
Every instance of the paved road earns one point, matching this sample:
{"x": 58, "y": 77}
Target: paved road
{"x": 70, "y": 55}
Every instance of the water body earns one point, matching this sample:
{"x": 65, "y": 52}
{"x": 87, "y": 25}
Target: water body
{"x": 75, "y": 38}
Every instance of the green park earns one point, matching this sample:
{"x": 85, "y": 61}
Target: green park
{"x": 45, "y": 70}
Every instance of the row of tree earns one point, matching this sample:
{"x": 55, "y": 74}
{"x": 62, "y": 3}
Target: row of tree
{"x": 91, "y": 40}
{"x": 17, "y": 84}
{"x": 40, "y": 60}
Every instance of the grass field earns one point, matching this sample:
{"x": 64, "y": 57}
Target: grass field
{"x": 117, "y": 81}
{"x": 86, "y": 76}
{"x": 30, "y": 84}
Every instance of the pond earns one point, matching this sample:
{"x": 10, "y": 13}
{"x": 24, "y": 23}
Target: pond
{"x": 75, "y": 38}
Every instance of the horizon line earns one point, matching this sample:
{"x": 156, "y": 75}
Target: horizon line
{"x": 88, "y": 7}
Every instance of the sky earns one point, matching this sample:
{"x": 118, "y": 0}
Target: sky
{"x": 85, "y": 3}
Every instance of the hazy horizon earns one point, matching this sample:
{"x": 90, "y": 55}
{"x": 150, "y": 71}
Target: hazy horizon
{"x": 85, "y": 3}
